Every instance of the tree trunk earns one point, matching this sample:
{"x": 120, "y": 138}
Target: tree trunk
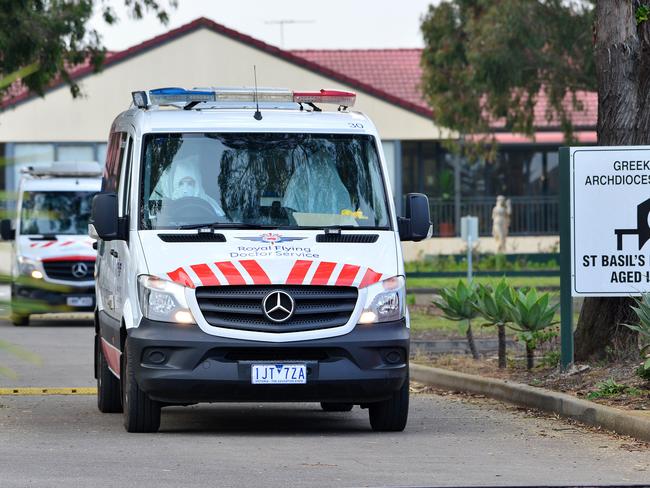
{"x": 530, "y": 357}
{"x": 622, "y": 54}
{"x": 502, "y": 345}
{"x": 470, "y": 340}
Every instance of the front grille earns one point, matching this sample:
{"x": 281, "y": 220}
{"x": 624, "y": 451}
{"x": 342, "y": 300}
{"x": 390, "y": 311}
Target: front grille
{"x": 240, "y": 307}
{"x": 62, "y": 270}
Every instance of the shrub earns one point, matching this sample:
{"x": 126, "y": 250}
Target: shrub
{"x": 493, "y": 305}
{"x": 458, "y": 304}
{"x": 642, "y": 311}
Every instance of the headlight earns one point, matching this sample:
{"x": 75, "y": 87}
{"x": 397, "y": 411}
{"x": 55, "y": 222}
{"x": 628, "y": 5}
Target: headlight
{"x": 163, "y": 300}
{"x": 29, "y": 267}
{"x": 385, "y": 301}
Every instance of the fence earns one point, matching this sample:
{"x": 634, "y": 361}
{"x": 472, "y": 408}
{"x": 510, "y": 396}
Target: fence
{"x": 530, "y": 215}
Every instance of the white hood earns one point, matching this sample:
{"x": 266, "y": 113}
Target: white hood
{"x": 73, "y": 246}
{"x": 272, "y": 257}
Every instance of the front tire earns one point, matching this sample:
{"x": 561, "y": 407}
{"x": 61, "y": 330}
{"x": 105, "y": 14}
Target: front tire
{"x": 141, "y": 413}
{"x": 391, "y": 415}
{"x": 108, "y": 386}
{"x": 19, "y": 320}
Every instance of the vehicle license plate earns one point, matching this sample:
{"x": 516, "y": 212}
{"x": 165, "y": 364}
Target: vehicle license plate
{"x": 80, "y": 301}
{"x": 278, "y": 374}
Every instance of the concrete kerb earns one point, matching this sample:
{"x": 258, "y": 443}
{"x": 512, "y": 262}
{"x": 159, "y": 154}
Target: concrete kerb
{"x": 613, "y": 419}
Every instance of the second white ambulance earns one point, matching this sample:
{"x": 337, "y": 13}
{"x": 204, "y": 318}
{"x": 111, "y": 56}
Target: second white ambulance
{"x": 249, "y": 250}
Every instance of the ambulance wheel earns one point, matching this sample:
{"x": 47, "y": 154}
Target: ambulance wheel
{"x": 391, "y": 415}
{"x": 19, "y": 320}
{"x": 141, "y": 413}
{"x": 108, "y": 386}
{"x": 336, "y": 407}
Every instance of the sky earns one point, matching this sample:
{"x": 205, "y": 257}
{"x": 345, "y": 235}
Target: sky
{"x": 328, "y": 24}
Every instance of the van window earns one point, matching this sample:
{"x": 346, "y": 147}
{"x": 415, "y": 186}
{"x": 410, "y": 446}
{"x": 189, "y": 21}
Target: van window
{"x": 55, "y": 212}
{"x": 114, "y": 156}
{"x": 275, "y": 180}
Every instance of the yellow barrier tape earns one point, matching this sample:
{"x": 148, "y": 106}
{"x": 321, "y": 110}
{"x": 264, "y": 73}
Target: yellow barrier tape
{"x": 48, "y": 391}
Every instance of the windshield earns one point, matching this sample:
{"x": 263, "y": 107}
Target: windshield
{"x": 55, "y": 212}
{"x": 274, "y": 180}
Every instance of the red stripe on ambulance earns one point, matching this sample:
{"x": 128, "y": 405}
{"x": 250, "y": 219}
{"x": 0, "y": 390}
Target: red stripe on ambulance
{"x": 112, "y": 356}
{"x": 347, "y": 275}
{"x": 369, "y": 278}
{"x": 181, "y": 277}
{"x": 255, "y": 271}
{"x": 205, "y": 274}
{"x": 323, "y": 273}
{"x": 298, "y": 272}
{"x": 231, "y": 273}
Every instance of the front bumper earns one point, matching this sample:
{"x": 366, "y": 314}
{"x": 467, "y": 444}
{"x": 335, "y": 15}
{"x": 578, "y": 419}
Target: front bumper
{"x": 183, "y": 364}
{"x": 50, "y": 298}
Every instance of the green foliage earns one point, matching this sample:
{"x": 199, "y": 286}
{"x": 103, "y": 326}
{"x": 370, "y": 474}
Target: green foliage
{"x": 610, "y": 388}
{"x": 642, "y": 13}
{"x": 493, "y": 304}
{"x": 489, "y": 60}
{"x": 550, "y": 359}
{"x": 41, "y": 41}
{"x": 534, "y": 339}
{"x": 643, "y": 371}
{"x": 483, "y": 262}
{"x": 530, "y": 312}
{"x": 457, "y": 303}
{"x": 642, "y": 311}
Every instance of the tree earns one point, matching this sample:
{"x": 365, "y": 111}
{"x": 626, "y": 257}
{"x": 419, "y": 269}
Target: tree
{"x": 41, "y": 40}
{"x": 488, "y": 61}
{"x": 459, "y": 304}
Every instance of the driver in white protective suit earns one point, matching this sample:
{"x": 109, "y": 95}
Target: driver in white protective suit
{"x": 183, "y": 179}
{"x": 315, "y": 186}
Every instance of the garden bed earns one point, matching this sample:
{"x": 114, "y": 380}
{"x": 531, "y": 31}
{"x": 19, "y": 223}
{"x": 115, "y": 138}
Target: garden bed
{"x": 614, "y": 384}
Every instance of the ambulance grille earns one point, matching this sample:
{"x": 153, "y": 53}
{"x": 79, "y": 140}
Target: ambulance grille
{"x": 240, "y": 307}
{"x": 63, "y": 270}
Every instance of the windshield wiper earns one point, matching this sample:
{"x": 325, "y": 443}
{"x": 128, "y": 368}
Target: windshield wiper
{"x": 226, "y": 225}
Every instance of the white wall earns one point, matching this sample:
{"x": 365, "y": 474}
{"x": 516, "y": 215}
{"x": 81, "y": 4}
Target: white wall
{"x": 201, "y": 58}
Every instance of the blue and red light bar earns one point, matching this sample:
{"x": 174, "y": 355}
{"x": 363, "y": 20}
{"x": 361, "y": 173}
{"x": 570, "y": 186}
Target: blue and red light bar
{"x": 175, "y": 96}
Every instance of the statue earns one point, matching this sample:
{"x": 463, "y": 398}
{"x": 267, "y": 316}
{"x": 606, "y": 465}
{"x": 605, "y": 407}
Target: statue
{"x": 501, "y": 222}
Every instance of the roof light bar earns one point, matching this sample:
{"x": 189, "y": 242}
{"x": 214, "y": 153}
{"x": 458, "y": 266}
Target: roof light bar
{"x": 168, "y": 96}
{"x": 336, "y": 97}
{"x": 180, "y": 96}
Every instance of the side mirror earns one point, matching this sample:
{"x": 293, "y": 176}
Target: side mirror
{"x": 103, "y": 217}
{"x": 6, "y": 232}
{"x": 416, "y": 224}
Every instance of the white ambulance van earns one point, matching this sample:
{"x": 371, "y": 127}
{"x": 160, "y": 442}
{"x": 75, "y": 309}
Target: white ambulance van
{"x": 53, "y": 260}
{"x": 249, "y": 250}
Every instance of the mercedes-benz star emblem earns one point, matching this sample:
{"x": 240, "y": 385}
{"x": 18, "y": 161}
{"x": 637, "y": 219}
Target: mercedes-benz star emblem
{"x": 79, "y": 270}
{"x": 278, "y": 306}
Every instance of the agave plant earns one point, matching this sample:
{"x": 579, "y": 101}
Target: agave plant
{"x": 493, "y": 305}
{"x": 458, "y": 304}
{"x": 530, "y": 313}
{"x": 642, "y": 311}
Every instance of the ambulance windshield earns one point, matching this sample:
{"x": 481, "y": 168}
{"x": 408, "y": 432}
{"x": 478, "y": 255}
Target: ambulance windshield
{"x": 55, "y": 212}
{"x": 266, "y": 180}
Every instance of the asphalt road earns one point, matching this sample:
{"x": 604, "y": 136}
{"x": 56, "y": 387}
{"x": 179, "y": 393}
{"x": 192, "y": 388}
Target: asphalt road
{"x": 65, "y": 441}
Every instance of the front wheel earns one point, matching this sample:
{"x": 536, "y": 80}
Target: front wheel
{"x": 141, "y": 413}
{"x": 19, "y": 320}
{"x": 391, "y": 415}
{"x": 108, "y": 386}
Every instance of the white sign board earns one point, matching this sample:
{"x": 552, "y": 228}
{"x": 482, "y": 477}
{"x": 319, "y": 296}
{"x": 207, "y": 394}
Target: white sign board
{"x": 610, "y": 232}
{"x": 469, "y": 228}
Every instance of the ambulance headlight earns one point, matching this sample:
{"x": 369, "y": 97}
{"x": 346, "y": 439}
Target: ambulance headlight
{"x": 163, "y": 300}
{"x": 385, "y": 302}
{"x": 30, "y": 267}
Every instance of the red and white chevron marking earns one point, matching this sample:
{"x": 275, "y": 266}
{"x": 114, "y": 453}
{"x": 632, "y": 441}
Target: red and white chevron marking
{"x": 52, "y": 244}
{"x": 250, "y": 272}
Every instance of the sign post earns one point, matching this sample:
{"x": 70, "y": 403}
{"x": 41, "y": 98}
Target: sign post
{"x": 566, "y": 301}
{"x": 469, "y": 233}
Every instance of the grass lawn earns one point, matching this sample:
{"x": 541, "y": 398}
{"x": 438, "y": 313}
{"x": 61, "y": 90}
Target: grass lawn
{"x": 516, "y": 281}
{"x": 421, "y": 321}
